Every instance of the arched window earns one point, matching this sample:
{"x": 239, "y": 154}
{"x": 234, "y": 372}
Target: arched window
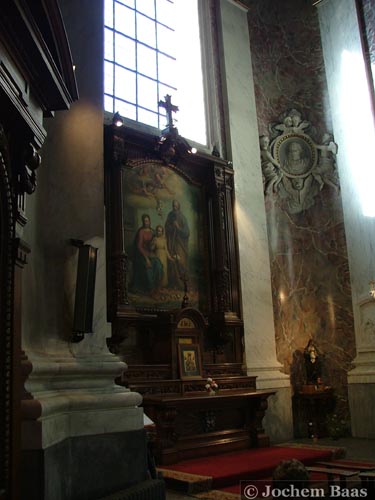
{"x": 153, "y": 48}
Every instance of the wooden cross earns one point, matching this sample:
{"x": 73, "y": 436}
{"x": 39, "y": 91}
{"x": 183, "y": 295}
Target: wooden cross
{"x": 170, "y": 108}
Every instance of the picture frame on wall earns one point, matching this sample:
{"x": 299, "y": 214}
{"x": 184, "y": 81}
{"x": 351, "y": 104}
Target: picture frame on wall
{"x": 189, "y": 359}
{"x": 164, "y": 217}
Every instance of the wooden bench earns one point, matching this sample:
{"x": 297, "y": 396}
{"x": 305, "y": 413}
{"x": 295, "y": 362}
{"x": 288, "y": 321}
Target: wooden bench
{"x": 332, "y": 473}
{"x": 368, "y": 481}
{"x": 346, "y": 466}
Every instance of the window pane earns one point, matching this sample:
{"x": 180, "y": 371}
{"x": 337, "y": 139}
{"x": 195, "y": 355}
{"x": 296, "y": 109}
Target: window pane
{"x": 108, "y": 78}
{"x": 125, "y": 84}
{"x": 108, "y": 13}
{"x": 147, "y": 7}
{"x": 165, "y": 12}
{"x": 189, "y": 96}
{"x": 125, "y": 51}
{"x": 146, "y": 61}
{"x": 127, "y": 2}
{"x": 167, "y": 68}
{"x": 146, "y": 30}
{"x": 108, "y": 44}
{"x": 166, "y": 40}
{"x": 163, "y": 91}
{"x": 126, "y": 109}
{"x": 108, "y": 103}
{"x": 162, "y": 120}
{"x": 125, "y": 20}
{"x": 148, "y": 118}
{"x": 147, "y": 93}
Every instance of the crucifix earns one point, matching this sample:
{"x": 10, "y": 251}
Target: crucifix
{"x": 170, "y": 108}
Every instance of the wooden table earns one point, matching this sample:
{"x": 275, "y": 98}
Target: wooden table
{"x": 311, "y": 409}
{"x": 197, "y": 425}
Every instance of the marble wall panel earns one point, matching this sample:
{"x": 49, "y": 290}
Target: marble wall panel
{"x": 368, "y": 12}
{"x": 309, "y": 262}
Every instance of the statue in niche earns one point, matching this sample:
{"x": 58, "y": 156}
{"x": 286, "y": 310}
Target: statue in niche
{"x": 294, "y": 166}
{"x": 313, "y": 364}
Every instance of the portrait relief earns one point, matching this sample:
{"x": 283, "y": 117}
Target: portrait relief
{"x": 295, "y": 166}
{"x": 296, "y": 155}
{"x": 163, "y": 221}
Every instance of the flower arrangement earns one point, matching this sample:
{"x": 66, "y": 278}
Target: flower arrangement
{"x": 211, "y": 386}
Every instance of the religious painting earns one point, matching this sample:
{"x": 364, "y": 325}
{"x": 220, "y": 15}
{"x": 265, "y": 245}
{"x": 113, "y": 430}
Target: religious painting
{"x": 189, "y": 361}
{"x": 164, "y": 236}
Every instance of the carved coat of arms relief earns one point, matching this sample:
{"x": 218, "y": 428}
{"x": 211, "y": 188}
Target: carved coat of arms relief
{"x": 294, "y": 166}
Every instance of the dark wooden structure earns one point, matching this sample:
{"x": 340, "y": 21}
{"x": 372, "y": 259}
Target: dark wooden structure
{"x": 36, "y": 78}
{"x": 311, "y": 408}
{"x": 198, "y": 425}
{"x": 147, "y": 331}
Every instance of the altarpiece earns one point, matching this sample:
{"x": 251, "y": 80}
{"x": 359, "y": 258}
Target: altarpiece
{"x": 174, "y": 297}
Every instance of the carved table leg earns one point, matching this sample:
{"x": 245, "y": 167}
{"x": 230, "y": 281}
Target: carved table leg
{"x": 259, "y": 436}
{"x": 166, "y": 436}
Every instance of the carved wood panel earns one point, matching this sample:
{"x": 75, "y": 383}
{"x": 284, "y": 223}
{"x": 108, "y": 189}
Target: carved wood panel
{"x": 171, "y": 245}
{"x": 6, "y": 312}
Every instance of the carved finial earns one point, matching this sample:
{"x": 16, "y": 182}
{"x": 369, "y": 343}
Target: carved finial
{"x": 170, "y": 108}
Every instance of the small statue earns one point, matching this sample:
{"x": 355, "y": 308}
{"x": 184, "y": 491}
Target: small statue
{"x": 313, "y": 364}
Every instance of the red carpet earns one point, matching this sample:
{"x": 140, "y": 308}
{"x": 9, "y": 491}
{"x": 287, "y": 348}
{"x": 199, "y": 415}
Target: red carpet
{"x": 235, "y": 489}
{"x": 317, "y": 480}
{"x": 228, "y": 469}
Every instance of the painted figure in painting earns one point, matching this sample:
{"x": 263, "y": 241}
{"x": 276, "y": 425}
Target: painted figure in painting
{"x": 159, "y": 247}
{"x": 147, "y": 268}
{"x": 177, "y": 233}
{"x": 189, "y": 362}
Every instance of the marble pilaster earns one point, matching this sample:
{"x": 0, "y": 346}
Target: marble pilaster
{"x": 354, "y": 130}
{"x": 250, "y": 210}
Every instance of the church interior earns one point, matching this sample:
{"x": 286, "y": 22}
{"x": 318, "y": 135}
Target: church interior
{"x": 161, "y": 299}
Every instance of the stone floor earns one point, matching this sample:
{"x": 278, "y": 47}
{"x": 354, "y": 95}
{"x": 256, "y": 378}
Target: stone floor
{"x": 357, "y": 449}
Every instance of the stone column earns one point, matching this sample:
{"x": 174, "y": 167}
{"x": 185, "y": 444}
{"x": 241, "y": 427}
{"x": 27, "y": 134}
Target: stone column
{"x": 77, "y": 423}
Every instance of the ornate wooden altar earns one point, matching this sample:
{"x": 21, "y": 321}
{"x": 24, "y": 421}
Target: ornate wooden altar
{"x": 174, "y": 290}
{"x": 200, "y": 425}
